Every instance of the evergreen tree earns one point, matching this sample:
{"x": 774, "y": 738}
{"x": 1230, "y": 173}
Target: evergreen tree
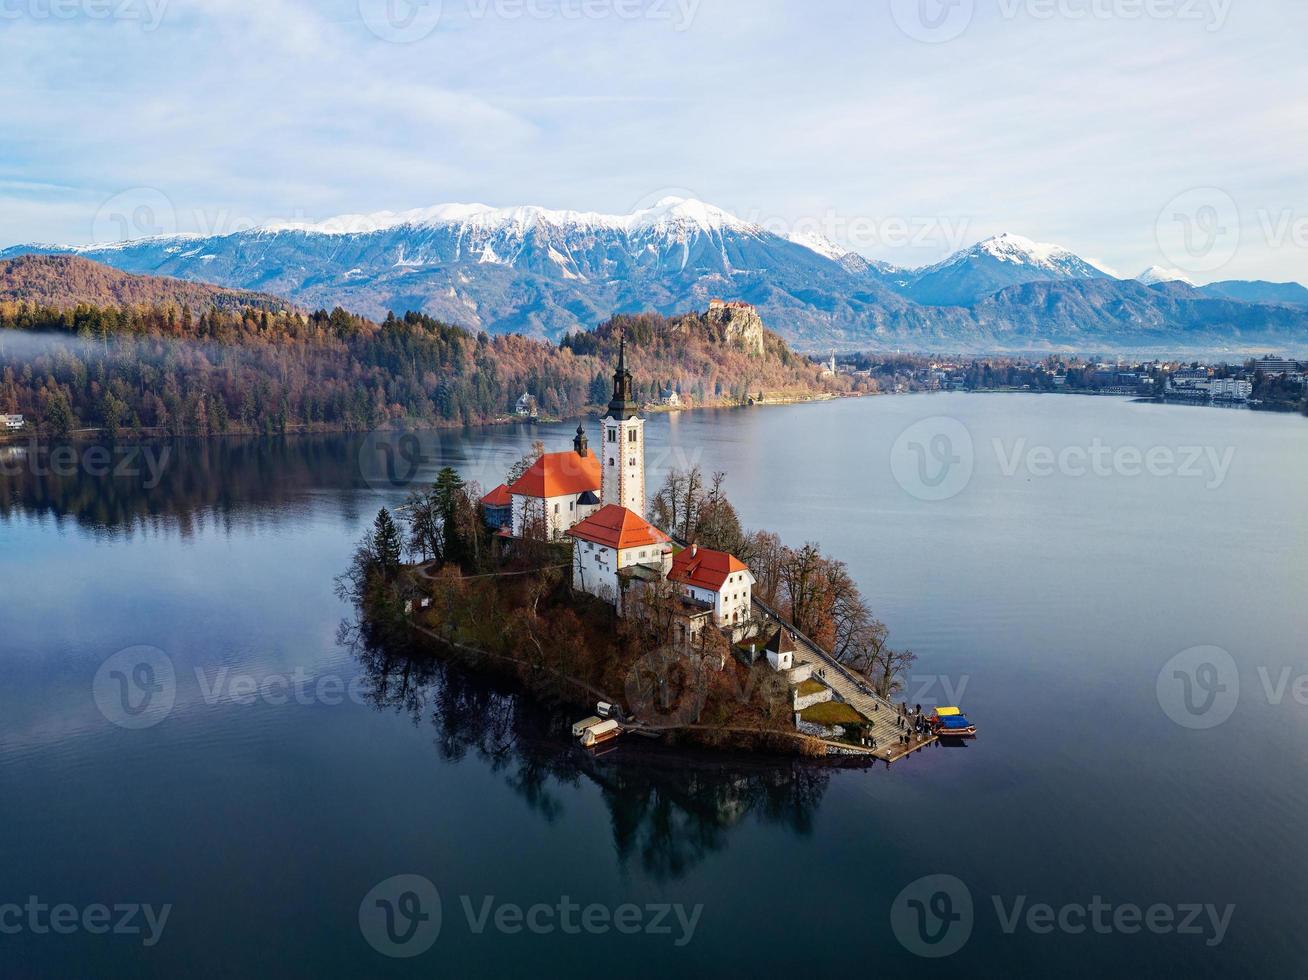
{"x": 387, "y": 547}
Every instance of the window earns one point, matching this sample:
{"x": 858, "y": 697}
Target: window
{"x": 611, "y": 463}
{"x": 572, "y": 505}
{"x": 613, "y": 435}
{"x": 631, "y": 435}
{"x": 556, "y": 508}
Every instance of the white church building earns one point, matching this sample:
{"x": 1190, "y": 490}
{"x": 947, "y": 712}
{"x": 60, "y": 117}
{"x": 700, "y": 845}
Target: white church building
{"x": 598, "y": 500}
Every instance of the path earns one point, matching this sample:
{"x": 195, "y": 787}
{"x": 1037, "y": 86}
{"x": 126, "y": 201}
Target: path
{"x": 850, "y": 689}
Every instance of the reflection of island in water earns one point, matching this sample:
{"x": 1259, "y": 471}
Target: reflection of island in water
{"x": 669, "y": 810}
{"x": 176, "y": 485}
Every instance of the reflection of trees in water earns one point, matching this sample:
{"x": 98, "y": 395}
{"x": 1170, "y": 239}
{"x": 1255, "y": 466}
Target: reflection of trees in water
{"x": 220, "y": 480}
{"x": 669, "y": 810}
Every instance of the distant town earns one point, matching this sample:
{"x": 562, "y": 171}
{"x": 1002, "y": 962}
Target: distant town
{"x": 1270, "y": 383}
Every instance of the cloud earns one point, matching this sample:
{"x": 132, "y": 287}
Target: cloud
{"x": 1071, "y": 130}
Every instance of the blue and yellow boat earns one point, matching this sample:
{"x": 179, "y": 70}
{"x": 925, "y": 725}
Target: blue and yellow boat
{"x": 951, "y": 723}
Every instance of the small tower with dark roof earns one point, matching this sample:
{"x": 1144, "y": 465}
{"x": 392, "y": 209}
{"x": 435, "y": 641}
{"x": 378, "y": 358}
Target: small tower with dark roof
{"x": 580, "y": 443}
{"x": 622, "y": 436}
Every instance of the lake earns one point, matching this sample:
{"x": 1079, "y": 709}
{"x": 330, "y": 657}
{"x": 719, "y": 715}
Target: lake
{"x": 1115, "y": 592}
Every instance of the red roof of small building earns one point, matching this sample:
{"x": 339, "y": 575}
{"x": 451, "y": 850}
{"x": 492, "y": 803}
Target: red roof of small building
{"x": 499, "y": 497}
{"x": 617, "y": 527}
{"x": 559, "y": 474}
{"x": 705, "y": 568}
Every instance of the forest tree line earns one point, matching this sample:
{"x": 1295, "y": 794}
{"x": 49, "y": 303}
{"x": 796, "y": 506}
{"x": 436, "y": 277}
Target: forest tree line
{"x": 170, "y": 371}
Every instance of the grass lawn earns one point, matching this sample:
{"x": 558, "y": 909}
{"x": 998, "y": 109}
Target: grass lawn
{"x": 810, "y": 687}
{"x": 832, "y": 713}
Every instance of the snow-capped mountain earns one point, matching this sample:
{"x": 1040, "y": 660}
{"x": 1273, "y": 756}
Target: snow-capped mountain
{"x": 525, "y": 269}
{"x": 1156, "y": 274}
{"x": 544, "y": 272}
{"x": 968, "y": 276}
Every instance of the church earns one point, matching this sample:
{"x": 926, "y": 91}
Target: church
{"x": 598, "y": 499}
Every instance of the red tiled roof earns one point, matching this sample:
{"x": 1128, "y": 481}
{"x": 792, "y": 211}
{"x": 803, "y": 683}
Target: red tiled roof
{"x": 559, "y": 474}
{"x": 705, "y": 568}
{"x": 617, "y": 527}
{"x": 499, "y": 497}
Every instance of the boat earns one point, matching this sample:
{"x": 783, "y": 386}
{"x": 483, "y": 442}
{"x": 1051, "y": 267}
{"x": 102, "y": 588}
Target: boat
{"x": 580, "y": 727}
{"x": 599, "y": 734}
{"x": 951, "y": 723}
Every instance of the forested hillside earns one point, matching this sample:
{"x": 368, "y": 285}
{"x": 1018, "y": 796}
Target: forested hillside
{"x": 172, "y": 371}
{"x": 64, "y": 281}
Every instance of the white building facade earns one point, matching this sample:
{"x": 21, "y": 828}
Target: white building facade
{"x": 717, "y": 579}
{"x": 614, "y": 541}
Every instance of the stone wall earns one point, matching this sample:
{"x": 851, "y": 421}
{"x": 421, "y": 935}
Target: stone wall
{"x": 808, "y": 700}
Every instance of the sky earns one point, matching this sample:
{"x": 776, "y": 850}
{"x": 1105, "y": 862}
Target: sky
{"x": 1134, "y": 132}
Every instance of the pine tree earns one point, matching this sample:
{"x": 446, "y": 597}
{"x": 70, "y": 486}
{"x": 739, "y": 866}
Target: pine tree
{"x": 386, "y": 545}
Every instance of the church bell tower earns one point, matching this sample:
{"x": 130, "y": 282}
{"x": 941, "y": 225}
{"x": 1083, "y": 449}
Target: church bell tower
{"x": 622, "y": 448}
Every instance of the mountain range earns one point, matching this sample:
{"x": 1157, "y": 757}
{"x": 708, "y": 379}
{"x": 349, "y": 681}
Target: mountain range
{"x": 545, "y": 273}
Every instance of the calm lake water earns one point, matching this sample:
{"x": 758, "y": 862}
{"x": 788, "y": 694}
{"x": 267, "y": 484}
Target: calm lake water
{"x": 1046, "y": 596}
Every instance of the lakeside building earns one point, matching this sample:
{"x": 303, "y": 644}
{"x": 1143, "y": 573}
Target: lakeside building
{"x": 12, "y": 423}
{"x": 1276, "y": 365}
{"x": 718, "y": 579}
{"x": 526, "y": 407}
{"x": 1230, "y": 389}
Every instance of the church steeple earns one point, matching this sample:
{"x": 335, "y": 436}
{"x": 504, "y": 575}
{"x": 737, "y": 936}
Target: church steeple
{"x": 623, "y": 405}
{"x": 579, "y": 443}
{"x": 622, "y": 444}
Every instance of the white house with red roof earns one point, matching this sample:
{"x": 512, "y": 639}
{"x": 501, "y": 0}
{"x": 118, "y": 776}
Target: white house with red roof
{"x": 718, "y": 579}
{"x": 616, "y": 543}
{"x": 557, "y": 491}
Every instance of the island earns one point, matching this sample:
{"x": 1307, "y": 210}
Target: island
{"x": 659, "y": 615}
